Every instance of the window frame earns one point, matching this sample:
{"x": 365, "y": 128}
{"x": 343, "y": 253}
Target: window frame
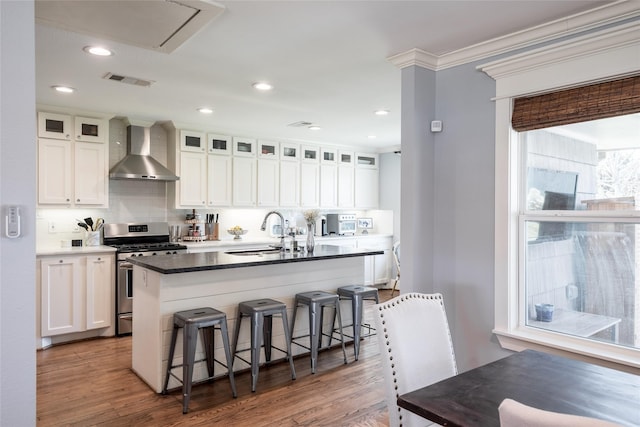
{"x": 595, "y": 57}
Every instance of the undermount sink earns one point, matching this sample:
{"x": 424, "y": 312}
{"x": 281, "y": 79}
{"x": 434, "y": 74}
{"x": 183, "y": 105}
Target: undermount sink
{"x": 254, "y": 251}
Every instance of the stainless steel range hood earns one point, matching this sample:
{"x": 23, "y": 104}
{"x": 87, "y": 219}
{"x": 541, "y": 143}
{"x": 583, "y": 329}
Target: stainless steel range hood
{"x": 138, "y": 163}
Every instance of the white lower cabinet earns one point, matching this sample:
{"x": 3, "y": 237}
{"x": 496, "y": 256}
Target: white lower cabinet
{"x": 377, "y": 268}
{"x": 100, "y": 270}
{"x": 76, "y": 293}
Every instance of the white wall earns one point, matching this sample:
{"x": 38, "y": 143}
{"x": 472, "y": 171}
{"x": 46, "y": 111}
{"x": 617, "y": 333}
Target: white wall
{"x": 17, "y": 187}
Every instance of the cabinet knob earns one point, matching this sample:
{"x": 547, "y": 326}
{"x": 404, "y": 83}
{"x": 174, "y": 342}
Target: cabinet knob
{"x": 99, "y": 259}
{"x": 77, "y": 200}
{"x": 61, "y": 261}
{"x": 68, "y": 200}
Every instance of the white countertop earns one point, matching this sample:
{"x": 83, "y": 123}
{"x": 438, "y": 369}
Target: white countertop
{"x": 263, "y": 240}
{"x": 74, "y": 250}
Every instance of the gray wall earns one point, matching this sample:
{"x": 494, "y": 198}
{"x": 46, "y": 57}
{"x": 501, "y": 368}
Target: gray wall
{"x": 17, "y": 187}
{"x": 464, "y": 211}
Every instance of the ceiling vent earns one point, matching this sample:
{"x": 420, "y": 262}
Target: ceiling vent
{"x": 128, "y": 80}
{"x": 162, "y": 26}
{"x": 300, "y": 124}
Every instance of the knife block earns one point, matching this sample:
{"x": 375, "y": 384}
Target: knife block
{"x": 212, "y": 230}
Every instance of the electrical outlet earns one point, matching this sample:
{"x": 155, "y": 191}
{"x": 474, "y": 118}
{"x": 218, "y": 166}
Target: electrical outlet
{"x": 53, "y": 227}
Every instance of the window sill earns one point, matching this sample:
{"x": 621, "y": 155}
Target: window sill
{"x": 612, "y": 356}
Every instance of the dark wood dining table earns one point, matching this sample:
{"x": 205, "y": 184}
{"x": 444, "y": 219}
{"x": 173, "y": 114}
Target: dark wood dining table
{"x": 537, "y": 379}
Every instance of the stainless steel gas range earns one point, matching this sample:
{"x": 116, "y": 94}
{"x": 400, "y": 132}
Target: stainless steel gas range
{"x": 134, "y": 240}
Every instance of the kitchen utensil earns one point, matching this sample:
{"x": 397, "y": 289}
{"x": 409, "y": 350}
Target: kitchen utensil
{"x": 89, "y": 222}
{"x": 99, "y": 224}
{"x": 83, "y": 225}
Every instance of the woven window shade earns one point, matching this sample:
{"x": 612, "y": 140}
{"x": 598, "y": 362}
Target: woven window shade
{"x": 580, "y": 104}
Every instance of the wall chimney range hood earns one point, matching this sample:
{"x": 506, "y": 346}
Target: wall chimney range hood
{"x": 138, "y": 163}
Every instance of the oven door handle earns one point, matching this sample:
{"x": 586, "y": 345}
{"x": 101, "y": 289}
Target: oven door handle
{"x": 125, "y": 266}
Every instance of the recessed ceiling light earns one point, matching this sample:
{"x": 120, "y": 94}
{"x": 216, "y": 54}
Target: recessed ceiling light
{"x": 205, "y": 110}
{"x": 314, "y": 127}
{"x": 63, "y": 89}
{"x": 262, "y": 86}
{"x": 98, "y": 50}
{"x": 381, "y": 112}
{"x": 371, "y": 137}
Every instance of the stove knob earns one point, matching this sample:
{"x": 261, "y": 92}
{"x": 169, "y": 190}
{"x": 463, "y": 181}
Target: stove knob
{"x": 132, "y": 255}
{"x": 168, "y": 253}
{"x": 154, "y": 253}
{"x": 175, "y": 252}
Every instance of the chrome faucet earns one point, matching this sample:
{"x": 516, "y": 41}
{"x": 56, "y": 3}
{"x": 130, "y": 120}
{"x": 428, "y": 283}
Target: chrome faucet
{"x": 263, "y": 227}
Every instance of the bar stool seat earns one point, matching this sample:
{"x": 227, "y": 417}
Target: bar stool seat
{"x": 207, "y": 320}
{"x": 316, "y": 301}
{"x": 261, "y": 312}
{"x": 358, "y": 294}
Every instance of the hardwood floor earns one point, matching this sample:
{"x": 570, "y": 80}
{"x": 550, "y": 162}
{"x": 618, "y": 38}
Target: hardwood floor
{"x": 90, "y": 383}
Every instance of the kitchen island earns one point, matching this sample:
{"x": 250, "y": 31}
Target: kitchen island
{"x": 163, "y": 285}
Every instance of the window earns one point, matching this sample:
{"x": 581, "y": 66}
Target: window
{"x": 563, "y": 203}
{"x": 580, "y": 240}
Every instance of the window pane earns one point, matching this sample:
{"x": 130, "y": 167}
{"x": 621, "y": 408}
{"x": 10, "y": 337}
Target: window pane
{"x": 584, "y": 166}
{"x": 585, "y": 284}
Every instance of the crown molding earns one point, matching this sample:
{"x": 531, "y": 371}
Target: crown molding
{"x": 594, "y": 18}
{"x": 415, "y": 57}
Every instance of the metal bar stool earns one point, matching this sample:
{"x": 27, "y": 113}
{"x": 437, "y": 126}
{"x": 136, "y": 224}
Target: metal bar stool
{"x": 207, "y": 320}
{"x": 358, "y": 294}
{"x": 261, "y": 312}
{"x": 317, "y": 301}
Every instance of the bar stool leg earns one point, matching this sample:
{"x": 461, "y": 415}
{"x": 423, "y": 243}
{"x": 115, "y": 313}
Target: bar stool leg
{"x": 287, "y": 337}
{"x": 256, "y": 329}
{"x": 208, "y": 341}
{"x": 315, "y": 331}
{"x": 190, "y": 335}
{"x": 344, "y": 352}
{"x": 267, "y": 329}
{"x": 227, "y": 353}
{"x": 356, "y": 309}
{"x": 172, "y": 349}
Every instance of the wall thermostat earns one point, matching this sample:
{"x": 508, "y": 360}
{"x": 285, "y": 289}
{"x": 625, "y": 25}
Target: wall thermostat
{"x": 12, "y": 222}
{"x": 436, "y": 126}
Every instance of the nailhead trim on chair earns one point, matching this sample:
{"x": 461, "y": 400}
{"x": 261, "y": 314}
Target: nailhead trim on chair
{"x": 393, "y": 303}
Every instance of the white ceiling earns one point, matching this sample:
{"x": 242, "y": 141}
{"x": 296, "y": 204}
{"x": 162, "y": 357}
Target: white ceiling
{"x": 327, "y": 61}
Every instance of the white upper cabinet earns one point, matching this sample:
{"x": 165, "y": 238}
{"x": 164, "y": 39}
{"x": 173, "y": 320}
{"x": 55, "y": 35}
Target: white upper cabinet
{"x": 244, "y": 181}
{"x": 290, "y": 151}
{"x": 91, "y": 130}
{"x": 310, "y": 154}
{"x": 193, "y": 180}
{"x": 268, "y": 149}
{"x": 268, "y": 182}
{"x": 90, "y": 174}
{"x": 245, "y": 147}
{"x": 193, "y": 141}
{"x": 219, "y": 181}
{"x": 328, "y": 185}
{"x": 53, "y": 125}
{"x": 366, "y": 181}
{"x": 346, "y": 158}
{"x": 55, "y": 172}
{"x": 289, "y": 184}
{"x": 367, "y": 160}
{"x": 346, "y": 184}
{"x": 73, "y": 164}
{"x": 219, "y": 144}
{"x": 310, "y": 184}
{"x": 329, "y": 156}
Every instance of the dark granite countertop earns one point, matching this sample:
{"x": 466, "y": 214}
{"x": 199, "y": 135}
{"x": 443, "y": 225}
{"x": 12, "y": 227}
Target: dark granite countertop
{"x": 184, "y": 263}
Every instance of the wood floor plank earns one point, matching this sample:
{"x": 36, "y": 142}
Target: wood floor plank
{"x": 90, "y": 383}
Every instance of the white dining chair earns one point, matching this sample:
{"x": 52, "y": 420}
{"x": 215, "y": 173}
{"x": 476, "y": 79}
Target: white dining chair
{"x": 516, "y": 414}
{"x": 396, "y": 259}
{"x": 415, "y": 347}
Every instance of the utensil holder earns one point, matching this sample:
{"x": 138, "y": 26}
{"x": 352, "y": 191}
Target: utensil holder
{"x": 93, "y": 238}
